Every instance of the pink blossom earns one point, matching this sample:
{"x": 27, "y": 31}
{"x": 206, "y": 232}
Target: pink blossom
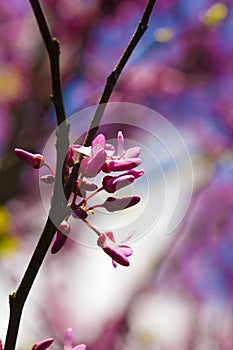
{"x": 68, "y": 342}
{"x": 118, "y": 253}
{"x": 44, "y": 344}
{"x": 1, "y": 348}
{"x": 34, "y": 160}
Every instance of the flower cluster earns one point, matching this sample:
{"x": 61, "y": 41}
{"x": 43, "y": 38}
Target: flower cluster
{"x": 68, "y": 343}
{"x": 100, "y": 156}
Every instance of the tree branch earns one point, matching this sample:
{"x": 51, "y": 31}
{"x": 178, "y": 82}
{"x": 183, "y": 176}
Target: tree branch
{"x": 108, "y": 89}
{"x": 52, "y": 46}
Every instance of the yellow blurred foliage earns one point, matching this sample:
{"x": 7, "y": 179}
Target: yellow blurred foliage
{"x": 162, "y": 35}
{"x": 10, "y": 83}
{"x": 7, "y": 242}
{"x": 215, "y": 15}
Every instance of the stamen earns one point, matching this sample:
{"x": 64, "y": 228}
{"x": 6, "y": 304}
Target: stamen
{"x": 91, "y": 227}
{"x": 51, "y": 169}
{"x": 94, "y": 193}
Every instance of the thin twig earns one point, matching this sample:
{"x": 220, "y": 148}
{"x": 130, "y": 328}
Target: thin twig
{"x": 113, "y": 77}
{"x": 108, "y": 89}
{"x": 52, "y": 46}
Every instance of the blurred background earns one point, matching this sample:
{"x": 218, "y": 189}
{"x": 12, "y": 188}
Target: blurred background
{"x": 178, "y": 291}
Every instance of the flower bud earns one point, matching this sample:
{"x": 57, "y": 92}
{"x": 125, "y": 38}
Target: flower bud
{"x": 61, "y": 237}
{"x": 58, "y": 243}
{"x": 47, "y": 179}
{"x": 114, "y": 204}
{"x": 87, "y": 185}
{"x": 34, "y": 160}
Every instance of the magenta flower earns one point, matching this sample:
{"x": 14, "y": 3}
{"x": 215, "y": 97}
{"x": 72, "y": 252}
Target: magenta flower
{"x": 34, "y": 160}
{"x": 125, "y": 159}
{"x": 118, "y": 253}
{"x": 1, "y": 348}
{"x": 44, "y": 344}
{"x": 68, "y": 342}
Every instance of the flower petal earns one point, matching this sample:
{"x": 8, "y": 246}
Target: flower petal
{"x": 110, "y": 235}
{"x": 80, "y": 347}
{"x": 86, "y": 151}
{"x": 135, "y": 173}
{"x": 98, "y": 144}
{"x": 114, "y": 204}
{"x": 113, "y": 183}
{"x": 121, "y": 165}
{"x": 132, "y": 152}
{"x": 110, "y": 149}
{"x": 121, "y": 144}
{"x": 68, "y": 339}
{"x": 128, "y": 251}
{"x": 87, "y": 185}
{"x": 95, "y": 164}
{"x": 102, "y": 241}
{"x": 44, "y": 344}
{"x": 117, "y": 255}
